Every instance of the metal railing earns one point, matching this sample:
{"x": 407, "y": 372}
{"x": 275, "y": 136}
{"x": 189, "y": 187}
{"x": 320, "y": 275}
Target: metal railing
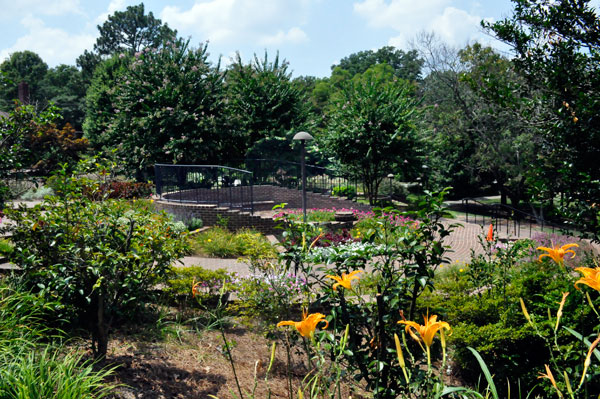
{"x": 205, "y": 184}
{"x": 508, "y": 219}
{"x": 288, "y": 174}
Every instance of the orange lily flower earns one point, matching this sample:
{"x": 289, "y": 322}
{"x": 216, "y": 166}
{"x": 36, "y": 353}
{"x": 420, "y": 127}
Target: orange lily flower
{"x": 558, "y": 253}
{"x": 591, "y": 277}
{"x": 307, "y": 326}
{"x": 490, "y": 234}
{"x": 346, "y": 280}
{"x": 426, "y": 332}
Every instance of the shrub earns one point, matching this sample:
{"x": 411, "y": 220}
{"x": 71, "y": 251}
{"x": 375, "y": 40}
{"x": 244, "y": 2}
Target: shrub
{"x": 269, "y": 296}
{"x": 99, "y": 258}
{"x": 491, "y": 320}
{"x": 182, "y": 279}
{"x": 220, "y": 243}
{"x": 6, "y": 247}
{"x": 344, "y": 191}
{"x": 125, "y": 190}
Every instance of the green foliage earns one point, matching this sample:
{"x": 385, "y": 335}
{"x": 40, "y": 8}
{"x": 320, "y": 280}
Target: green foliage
{"x": 269, "y": 296}
{"x": 167, "y": 106}
{"x": 22, "y": 66}
{"x": 486, "y": 315}
{"x": 371, "y": 123}
{"x": 99, "y": 258}
{"x": 37, "y": 193}
{"x": 405, "y": 65}
{"x": 344, "y": 191}
{"x": 30, "y": 365}
{"x": 193, "y": 223}
{"x": 99, "y": 100}
{"x": 49, "y": 374}
{"x": 210, "y": 282}
{"x": 561, "y": 59}
{"x": 218, "y": 242}
{"x": 64, "y": 86}
{"x": 264, "y": 102}
{"x": 132, "y": 30}
{"x": 6, "y": 247}
{"x": 402, "y": 258}
{"x": 24, "y": 138}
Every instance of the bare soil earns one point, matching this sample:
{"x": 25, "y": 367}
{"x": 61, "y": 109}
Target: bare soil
{"x": 174, "y": 361}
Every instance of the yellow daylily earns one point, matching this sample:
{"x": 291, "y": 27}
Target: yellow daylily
{"x": 426, "y": 332}
{"x": 558, "y": 253}
{"x": 346, "y": 279}
{"x": 307, "y": 326}
{"x": 591, "y": 277}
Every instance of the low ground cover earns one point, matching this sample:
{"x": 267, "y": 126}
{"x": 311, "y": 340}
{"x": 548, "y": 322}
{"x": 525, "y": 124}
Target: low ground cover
{"x": 218, "y": 242}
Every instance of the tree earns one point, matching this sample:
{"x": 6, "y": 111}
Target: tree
{"x": 476, "y": 136}
{"x": 132, "y": 31}
{"x": 264, "y": 101}
{"x": 167, "y": 106}
{"x": 64, "y": 86}
{"x": 128, "y": 31}
{"x": 22, "y": 66}
{"x": 100, "y": 102}
{"x": 557, "y": 46}
{"x": 371, "y": 129}
{"x": 406, "y": 65}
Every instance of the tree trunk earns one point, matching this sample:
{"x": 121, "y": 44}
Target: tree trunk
{"x": 99, "y": 330}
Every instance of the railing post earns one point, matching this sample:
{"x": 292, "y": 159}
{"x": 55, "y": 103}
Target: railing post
{"x": 251, "y": 195}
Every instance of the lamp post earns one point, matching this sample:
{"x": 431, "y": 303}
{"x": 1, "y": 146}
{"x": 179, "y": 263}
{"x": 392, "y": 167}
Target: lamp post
{"x": 391, "y": 177}
{"x": 303, "y": 136}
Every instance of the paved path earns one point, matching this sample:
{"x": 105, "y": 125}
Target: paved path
{"x": 461, "y": 241}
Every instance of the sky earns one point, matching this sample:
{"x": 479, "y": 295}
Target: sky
{"x": 311, "y": 35}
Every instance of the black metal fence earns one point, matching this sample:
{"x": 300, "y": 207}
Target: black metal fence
{"x": 509, "y": 220}
{"x": 289, "y": 174}
{"x": 205, "y": 184}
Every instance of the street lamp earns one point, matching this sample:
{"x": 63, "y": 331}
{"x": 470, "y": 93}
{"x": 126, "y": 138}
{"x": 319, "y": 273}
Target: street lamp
{"x": 391, "y": 177}
{"x": 303, "y": 136}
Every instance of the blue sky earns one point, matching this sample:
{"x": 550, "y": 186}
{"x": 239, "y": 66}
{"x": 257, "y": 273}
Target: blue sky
{"x": 310, "y": 34}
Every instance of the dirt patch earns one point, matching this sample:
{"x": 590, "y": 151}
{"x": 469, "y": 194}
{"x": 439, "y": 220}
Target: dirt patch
{"x": 189, "y": 364}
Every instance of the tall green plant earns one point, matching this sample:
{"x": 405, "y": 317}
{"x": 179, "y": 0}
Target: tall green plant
{"x": 98, "y": 257}
{"x": 401, "y": 260}
{"x": 372, "y": 121}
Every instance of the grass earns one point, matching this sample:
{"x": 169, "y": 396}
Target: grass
{"x": 31, "y": 365}
{"x": 218, "y": 242}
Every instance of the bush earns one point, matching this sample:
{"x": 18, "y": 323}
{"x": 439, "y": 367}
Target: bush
{"x": 344, "y": 191}
{"x": 179, "y": 285}
{"x": 126, "y": 190}
{"x": 6, "y": 247}
{"x": 490, "y": 320}
{"x": 220, "y": 243}
{"x": 99, "y": 258}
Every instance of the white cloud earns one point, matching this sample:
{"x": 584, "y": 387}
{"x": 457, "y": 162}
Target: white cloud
{"x": 267, "y": 22}
{"x": 114, "y": 5}
{"x": 55, "y": 46}
{"x": 294, "y": 35}
{"x": 407, "y": 17}
{"x": 11, "y": 9}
